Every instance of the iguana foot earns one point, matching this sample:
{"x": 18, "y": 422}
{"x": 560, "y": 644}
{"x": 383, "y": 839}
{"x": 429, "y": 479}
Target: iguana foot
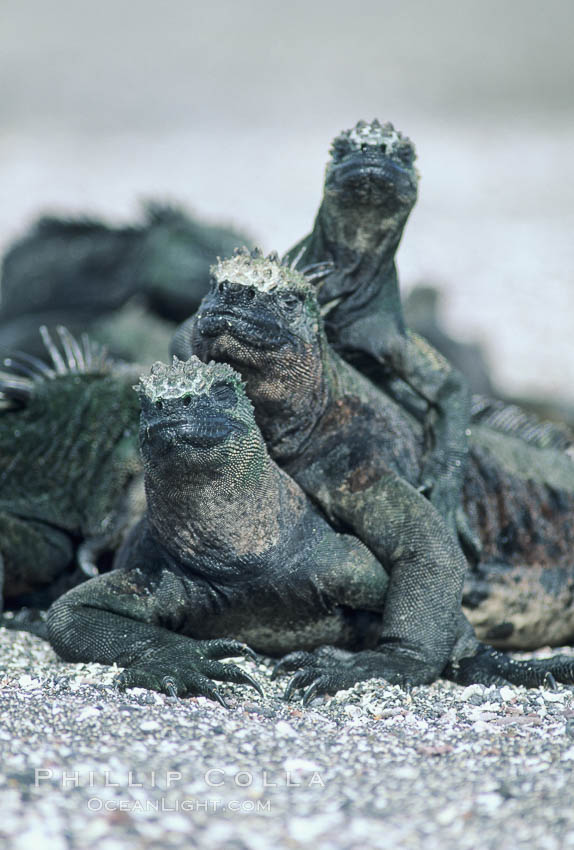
{"x": 189, "y": 671}
{"x": 327, "y": 670}
{"x": 491, "y": 667}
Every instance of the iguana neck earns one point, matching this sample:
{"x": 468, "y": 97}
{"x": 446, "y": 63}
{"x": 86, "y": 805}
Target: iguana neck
{"x": 225, "y": 512}
{"x": 365, "y": 232}
{"x": 362, "y": 249}
{"x": 288, "y": 408}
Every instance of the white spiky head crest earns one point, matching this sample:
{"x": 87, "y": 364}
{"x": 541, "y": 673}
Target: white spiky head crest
{"x": 376, "y": 135}
{"x": 185, "y": 377}
{"x": 265, "y": 274}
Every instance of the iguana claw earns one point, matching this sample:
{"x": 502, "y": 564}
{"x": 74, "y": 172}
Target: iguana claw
{"x": 217, "y": 696}
{"x": 488, "y": 666}
{"x": 290, "y": 662}
{"x": 168, "y": 685}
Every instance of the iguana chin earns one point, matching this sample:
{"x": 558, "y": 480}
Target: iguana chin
{"x": 70, "y": 473}
{"x": 370, "y": 188}
{"x": 231, "y": 550}
{"x": 354, "y": 451}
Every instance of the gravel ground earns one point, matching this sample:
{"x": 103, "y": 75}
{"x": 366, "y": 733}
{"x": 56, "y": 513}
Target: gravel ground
{"x": 84, "y": 765}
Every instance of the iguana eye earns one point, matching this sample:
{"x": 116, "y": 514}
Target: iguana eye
{"x": 186, "y": 400}
{"x": 224, "y": 395}
{"x": 406, "y": 155}
{"x": 290, "y": 301}
{"x": 159, "y": 404}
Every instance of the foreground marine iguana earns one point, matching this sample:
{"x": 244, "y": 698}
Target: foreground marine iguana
{"x": 70, "y": 471}
{"x": 353, "y": 450}
{"x": 125, "y": 284}
{"x": 231, "y": 550}
{"x": 230, "y": 547}
{"x": 370, "y": 188}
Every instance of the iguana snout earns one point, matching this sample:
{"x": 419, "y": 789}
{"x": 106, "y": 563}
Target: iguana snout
{"x": 244, "y": 312}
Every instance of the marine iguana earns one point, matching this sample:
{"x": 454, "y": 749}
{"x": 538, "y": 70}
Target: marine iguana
{"x": 370, "y": 189}
{"x": 126, "y": 285}
{"x": 231, "y": 550}
{"x": 354, "y": 451}
{"x": 70, "y": 473}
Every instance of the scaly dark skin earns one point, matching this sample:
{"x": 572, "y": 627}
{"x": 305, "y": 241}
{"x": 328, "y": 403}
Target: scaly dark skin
{"x": 370, "y": 189}
{"x": 229, "y": 551}
{"x": 232, "y": 551}
{"x": 71, "y": 479}
{"x": 354, "y": 451}
{"x": 127, "y": 285}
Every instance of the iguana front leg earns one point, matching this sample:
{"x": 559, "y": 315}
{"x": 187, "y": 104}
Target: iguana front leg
{"x": 128, "y": 619}
{"x": 446, "y": 429}
{"x": 391, "y": 357}
{"x": 426, "y": 572}
{"x": 448, "y": 396}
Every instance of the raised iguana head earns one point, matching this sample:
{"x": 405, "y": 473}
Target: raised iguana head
{"x": 371, "y": 165}
{"x": 195, "y": 417}
{"x": 263, "y": 318}
{"x": 68, "y": 436}
{"x": 257, "y": 311}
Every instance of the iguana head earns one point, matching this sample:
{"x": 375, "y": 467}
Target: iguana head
{"x": 195, "y": 416}
{"x": 263, "y": 305}
{"x": 371, "y": 165}
{"x": 263, "y": 318}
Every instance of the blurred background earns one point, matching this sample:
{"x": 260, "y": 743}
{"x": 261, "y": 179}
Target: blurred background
{"x": 230, "y": 108}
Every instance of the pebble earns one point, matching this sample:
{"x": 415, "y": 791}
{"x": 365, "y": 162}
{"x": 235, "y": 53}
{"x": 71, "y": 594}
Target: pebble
{"x": 442, "y": 768}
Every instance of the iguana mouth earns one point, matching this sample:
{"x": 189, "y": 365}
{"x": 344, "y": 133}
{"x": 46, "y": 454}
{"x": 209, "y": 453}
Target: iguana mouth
{"x": 262, "y": 332}
{"x": 361, "y": 170}
{"x": 201, "y": 433}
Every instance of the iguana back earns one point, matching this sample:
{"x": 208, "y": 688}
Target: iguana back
{"x": 69, "y": 466}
